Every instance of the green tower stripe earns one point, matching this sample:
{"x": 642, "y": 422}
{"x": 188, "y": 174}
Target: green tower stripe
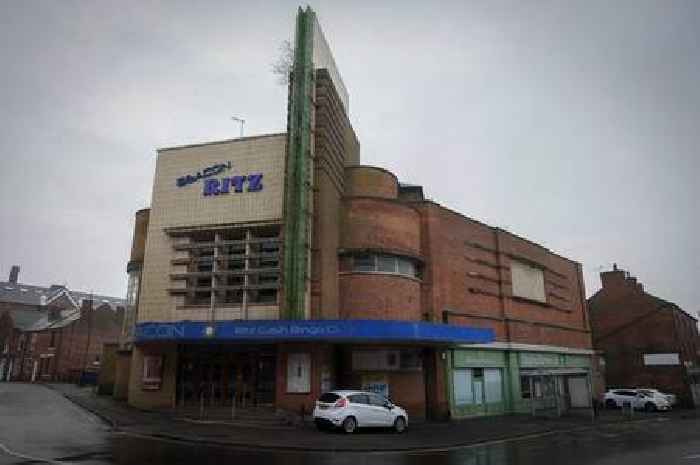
{"x": 297, "y": 214}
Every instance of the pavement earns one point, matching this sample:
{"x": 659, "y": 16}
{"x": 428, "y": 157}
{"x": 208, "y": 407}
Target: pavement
{"x": 420, "y": 437}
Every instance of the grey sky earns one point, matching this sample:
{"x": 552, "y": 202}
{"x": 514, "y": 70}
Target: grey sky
{"x": 574, "y": 124}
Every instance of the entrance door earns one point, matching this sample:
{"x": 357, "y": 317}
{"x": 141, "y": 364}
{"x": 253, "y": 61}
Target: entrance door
{"x": 578, "y": 392}
{"x": 265, "y": 381}
{"x": 478, "y": 391}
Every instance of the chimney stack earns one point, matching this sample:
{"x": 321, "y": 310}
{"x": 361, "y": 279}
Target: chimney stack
{"x": 14, "y": 274}
{"x": 613, "y": 279}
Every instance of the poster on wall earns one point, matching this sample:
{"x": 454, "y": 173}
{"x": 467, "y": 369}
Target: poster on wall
{"x": 299, "y": 373}
{"x": 374, "y": 382}
{"x": 152, "y": 372}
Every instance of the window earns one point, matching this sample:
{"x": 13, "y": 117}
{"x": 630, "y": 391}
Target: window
{"x": 132, "y": 288}
{"x": 527, "y": 281}
{"x": 462, "y": 385}
{"x": 406, "y": 267}
{"x": 364, "y": 263}
{"x": 377, "y": 400}
{"x": 493, "y": 385}
{"x": 53, "y": 339}
{"x": 384, "y": 263}
{"x": 329, "y": 398}
{"x": 478, "y": 386}
{"x": 525, "y": 392}
{"x": 359, "y": 399}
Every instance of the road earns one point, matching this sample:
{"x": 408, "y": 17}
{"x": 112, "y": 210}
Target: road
{"x": 38, "y": 425}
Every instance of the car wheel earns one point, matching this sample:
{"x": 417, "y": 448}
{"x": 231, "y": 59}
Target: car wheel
{"x": 349, "y": 425}
{"x": 400, "y": 425}
{"x": 649, "y": 407}
{"x": 610, "y": 403}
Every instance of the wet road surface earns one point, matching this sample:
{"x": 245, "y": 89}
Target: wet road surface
{"x": 38, "y": 425}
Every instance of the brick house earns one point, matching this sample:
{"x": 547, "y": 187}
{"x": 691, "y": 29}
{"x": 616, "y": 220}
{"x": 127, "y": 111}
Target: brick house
{"x": 53, "y": 333}
{"x": 647, "y": 341}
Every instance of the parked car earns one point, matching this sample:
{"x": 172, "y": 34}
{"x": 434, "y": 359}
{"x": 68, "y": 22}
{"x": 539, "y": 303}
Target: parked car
{"x": 671, "y": 398}
{"x": 350, "y": 410}
{"x": 639, "y": 399}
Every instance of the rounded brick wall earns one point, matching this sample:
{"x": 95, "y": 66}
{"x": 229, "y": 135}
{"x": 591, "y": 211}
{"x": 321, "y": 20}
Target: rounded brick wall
{"x": 371, "y": 181}
{"x": 380, "y": 224}
{"x": 377, "y": 296}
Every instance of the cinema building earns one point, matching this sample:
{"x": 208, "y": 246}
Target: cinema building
{"x": 277, "y": 267}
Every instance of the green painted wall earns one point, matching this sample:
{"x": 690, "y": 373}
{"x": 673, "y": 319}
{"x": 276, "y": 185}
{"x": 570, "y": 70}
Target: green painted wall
{"x": 510, "y": 362}
{"x": 297, "y": 199}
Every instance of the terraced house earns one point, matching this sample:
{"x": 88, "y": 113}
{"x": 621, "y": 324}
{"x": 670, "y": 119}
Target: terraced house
{"x": 276, "y": 267}
{"x": 54, "y": 333}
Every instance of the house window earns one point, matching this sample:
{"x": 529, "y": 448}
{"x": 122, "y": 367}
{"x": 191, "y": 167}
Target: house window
{"x": 527, "y": 281}
{"x": 53, "y": 339}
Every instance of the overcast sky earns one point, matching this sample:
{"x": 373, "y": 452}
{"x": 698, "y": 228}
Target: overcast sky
{"x": 574, "y": 124}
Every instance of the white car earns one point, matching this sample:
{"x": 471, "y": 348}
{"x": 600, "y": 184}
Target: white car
{"x": 350, "y": 410}
{"x": 671, "y": 398}
{"x": 639, "y": 399}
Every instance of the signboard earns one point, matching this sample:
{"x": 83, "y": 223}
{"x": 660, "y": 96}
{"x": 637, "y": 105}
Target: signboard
{"x": 313, "y": 330}
{"x": 661, "y": 359}
{"x": 225, "y": 185}
{"x": 377, "y": 383}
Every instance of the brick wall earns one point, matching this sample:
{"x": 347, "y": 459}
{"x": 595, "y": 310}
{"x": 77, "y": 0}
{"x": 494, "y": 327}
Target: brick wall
{"x": 379, "y": 297}
{"x": 78, "y": 345}
{"x": 628, "y": 322}
{"x": 468, "y": 273}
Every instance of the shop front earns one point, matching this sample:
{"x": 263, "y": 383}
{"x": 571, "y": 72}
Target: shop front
{"x": 494, "y": 382}
{"x": 288, "y": 364}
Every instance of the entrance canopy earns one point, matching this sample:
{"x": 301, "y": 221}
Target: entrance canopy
{"x": 311, "y": 330}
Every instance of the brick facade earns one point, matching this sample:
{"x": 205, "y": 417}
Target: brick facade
{"x": 628, "y": 322}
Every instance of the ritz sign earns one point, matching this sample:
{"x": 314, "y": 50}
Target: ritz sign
{"x": 222, "y": 185}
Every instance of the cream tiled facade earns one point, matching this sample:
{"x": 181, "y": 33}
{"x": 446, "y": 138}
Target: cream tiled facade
{"x": 176, "y": 207}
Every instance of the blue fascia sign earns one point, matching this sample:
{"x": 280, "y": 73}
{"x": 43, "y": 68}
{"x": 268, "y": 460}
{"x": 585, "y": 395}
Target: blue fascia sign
{"x": 213, "y": 186}
{"x": 312, "y": 330}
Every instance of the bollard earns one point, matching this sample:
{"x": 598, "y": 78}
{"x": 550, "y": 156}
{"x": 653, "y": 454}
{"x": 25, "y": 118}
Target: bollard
{"x": 201, "y": 404}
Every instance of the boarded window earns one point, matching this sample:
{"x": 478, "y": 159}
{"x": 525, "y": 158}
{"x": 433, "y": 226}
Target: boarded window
{"x": 528, "y": 281}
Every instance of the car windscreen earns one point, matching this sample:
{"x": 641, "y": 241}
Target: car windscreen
{"x": 329, "y": 398}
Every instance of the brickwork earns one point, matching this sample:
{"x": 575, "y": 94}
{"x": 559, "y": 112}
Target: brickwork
{"x": 371, "y": 181}
{"x": 75, "y": 347}
{"x": 374, "y": 223}
{"x": 468, "y": 274}
{"x": 332, "y": 152}
{"x": 628, "y": 322}
{"x": 379, "y": 297}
